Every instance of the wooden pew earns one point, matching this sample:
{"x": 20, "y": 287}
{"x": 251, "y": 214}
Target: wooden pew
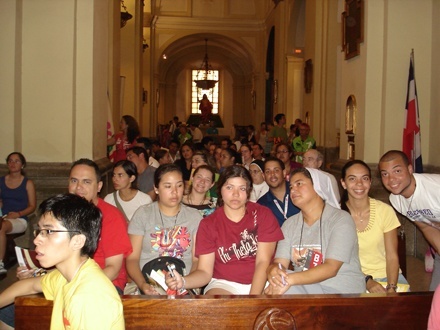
{"x": 361, "y": 311}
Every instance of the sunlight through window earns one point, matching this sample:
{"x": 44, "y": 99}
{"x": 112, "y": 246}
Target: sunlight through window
{"x": 197, "y": 93}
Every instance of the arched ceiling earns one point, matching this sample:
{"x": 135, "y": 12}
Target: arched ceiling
{"x": 189, "y": 51}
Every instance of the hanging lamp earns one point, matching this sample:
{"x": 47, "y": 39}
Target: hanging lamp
{"x": 206, "y": 70}
{"x": 125, "y": 15}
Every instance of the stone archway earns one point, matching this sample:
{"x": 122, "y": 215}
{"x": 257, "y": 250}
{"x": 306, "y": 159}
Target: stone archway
{"x": 230, "y": 56}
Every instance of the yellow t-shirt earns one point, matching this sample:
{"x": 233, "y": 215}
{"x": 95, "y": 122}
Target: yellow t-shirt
{"x": 89, "y": 301}
{"x": 372, "y": 241}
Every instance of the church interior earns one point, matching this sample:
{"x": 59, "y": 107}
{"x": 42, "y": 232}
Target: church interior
{"x": 71, "y": 66}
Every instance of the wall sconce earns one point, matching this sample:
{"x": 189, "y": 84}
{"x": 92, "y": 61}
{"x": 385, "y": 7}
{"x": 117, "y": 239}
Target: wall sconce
{"x": 275, "y": 91}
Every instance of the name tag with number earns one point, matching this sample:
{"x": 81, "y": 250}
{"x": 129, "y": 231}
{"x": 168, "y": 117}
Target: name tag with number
{"x": 313, "y": 259}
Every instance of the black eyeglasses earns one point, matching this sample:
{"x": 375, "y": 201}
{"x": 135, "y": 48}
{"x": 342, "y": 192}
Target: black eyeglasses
{"x": 45, "y": 232}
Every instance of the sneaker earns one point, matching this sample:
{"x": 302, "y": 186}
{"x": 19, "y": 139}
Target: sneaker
{"x": 3, "y": 270}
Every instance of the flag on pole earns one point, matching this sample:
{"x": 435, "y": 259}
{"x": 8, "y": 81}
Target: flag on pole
{"x": 411, "y": 133}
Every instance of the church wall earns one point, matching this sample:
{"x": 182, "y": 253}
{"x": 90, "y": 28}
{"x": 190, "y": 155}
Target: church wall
{"x": 53, "y": 91}
{"x": 131, "y": 65}
{"x": 58, "y": 104}
{"x": 409, "y": 26}
{"x": 10, "y": 39}
{"x": 378, "y": 77}
{"x": 434, "y": 117}
{"x": 330, "y": 109}
{"x": 353, "y": 82}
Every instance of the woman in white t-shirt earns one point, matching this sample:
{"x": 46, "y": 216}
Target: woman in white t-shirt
{"x": 127, "y": 197}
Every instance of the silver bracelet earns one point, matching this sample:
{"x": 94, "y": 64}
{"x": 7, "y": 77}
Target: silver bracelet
{"x": 184, "y": 284}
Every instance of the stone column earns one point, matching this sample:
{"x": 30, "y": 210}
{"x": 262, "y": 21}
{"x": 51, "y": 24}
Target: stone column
{"x": 53, "y": 86}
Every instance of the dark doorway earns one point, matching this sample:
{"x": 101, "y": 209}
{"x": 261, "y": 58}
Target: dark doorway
{"x": 270, "y": 58}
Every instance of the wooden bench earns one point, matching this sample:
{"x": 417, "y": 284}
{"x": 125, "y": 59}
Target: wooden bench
{"x": 360, "y": 311}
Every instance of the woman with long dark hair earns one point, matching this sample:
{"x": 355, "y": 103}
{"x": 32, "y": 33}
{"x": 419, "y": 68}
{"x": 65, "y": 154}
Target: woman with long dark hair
{"x": 125, "y": 139}
{"x": 235, "y": 244}
{"x": 203, "y": 180}
{"x": 284, "y": 152}
{"x": 229, "y": 157}
{"x": 376, "y": 227}
{"x": 163, "y": 228}
{"x": 127, "y": 197}
{"x": 17, "y": 201}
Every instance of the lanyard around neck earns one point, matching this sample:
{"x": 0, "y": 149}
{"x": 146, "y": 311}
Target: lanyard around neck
{"x": 286, "y": 205}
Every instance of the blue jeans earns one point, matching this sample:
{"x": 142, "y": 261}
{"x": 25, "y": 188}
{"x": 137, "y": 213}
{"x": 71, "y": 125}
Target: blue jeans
{"x": 400, "y": 280}
{"x": 7, "y": 315}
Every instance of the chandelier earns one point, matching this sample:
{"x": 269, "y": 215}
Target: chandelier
{"x": 206, "y": 70}
{"x": 125, "y": 15}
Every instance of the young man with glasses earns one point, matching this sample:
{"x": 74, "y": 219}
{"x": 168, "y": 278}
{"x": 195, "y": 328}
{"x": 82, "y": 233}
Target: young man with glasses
{"x": 83, "y": 296}
{"x": 113, "y": 246}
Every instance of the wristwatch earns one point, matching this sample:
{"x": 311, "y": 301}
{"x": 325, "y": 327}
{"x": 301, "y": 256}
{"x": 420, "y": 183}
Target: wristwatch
{"x": 367, "y": 278}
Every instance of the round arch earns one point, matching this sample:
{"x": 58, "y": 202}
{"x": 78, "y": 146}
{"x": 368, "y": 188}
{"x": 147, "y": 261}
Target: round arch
{"x": 231, "y": 57}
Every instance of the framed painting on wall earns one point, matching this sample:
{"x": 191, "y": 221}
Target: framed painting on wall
{"x": 352, "y": 27}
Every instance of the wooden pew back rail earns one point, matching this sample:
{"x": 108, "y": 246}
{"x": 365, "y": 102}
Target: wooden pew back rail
{"x": 366, "y": 311}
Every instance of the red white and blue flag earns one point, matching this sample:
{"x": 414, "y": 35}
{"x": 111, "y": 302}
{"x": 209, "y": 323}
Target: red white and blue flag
{"x": 411, "y": 133}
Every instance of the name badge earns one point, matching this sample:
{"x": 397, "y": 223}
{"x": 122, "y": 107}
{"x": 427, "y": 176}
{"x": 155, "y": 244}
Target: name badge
{"x": 313, "y": 259}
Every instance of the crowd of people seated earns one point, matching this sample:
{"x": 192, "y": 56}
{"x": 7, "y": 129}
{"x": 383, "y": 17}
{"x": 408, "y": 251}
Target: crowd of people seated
{"x": 234, "y": 217}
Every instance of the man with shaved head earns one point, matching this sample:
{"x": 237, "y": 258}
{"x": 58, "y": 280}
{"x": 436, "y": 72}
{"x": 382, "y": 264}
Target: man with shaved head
{"x": 416, "y": 196}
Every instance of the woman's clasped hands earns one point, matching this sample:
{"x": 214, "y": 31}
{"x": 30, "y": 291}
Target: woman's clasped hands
{"x": 278, "y": 279}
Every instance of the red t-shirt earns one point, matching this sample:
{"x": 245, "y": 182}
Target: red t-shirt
{"x": 121, "y": 145}
{"x": 235, "y": 244}
{"x": 113, "y": 241}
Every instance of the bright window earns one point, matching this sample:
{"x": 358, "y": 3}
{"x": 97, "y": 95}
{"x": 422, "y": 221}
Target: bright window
{"x": 197, "y": 93}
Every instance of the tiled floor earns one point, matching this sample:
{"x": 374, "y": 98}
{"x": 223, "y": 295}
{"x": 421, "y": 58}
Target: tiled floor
{"x": 8, "y": 279}
{"x": 417, "y": 277}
